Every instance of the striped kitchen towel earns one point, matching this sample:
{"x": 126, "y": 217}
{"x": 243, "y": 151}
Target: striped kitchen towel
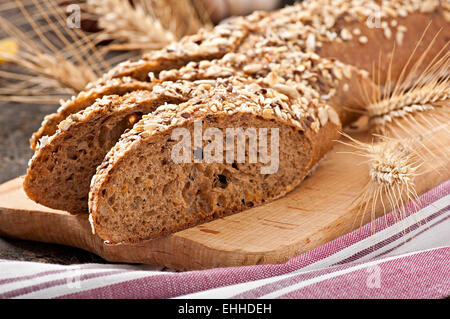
{"x": 389, "y": 258}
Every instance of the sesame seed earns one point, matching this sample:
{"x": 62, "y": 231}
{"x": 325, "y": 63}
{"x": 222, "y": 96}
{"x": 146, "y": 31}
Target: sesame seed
{"x": 346, "y": 87}
{"x": 346, "y": 35}
{"x": 399, "y": 37}
{"x": 363, "y": 39}
{"x": 387, "y": 33}
{"x": 310, "y": 43}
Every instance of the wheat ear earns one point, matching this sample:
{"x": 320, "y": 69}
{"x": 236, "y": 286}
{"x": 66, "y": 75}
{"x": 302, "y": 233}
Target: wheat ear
{"x": 418, "y": 102}
{"x": 132, "y": 26}
{"x": 181, "y": 17}
{"x": 393, "y": 166}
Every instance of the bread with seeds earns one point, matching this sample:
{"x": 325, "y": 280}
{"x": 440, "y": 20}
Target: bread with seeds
{"x": 368, "y": 34}
{"x": 358, "y": 33}
{"x": 302, "y": 75}
{"x": 147, "y": 187}
{"x": 355, "y": 32}
{"x": 297, "y": 53}
{"x": 142, "y": 205}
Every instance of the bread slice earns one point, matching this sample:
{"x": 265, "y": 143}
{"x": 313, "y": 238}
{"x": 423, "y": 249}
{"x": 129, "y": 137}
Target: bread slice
{"x": 84, "y": 99}
{"x": 61, "y": 169}
{"x": 141, "y": 192}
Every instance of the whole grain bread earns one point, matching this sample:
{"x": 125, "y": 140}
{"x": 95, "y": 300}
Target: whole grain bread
{"x": 142, "y": 205}
{"x": 140, "y": 193}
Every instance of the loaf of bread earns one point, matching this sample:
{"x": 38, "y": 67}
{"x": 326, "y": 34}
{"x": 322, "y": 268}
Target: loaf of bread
{"x": 303, "y": 70}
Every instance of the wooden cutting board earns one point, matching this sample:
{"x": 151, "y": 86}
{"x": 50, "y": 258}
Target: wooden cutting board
{"x": 317, "y": 211}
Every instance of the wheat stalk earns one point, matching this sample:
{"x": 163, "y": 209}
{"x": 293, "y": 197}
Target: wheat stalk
{"x": 54, "y": 61}
{"x": 181, "y": 17}
{"x": 410, "y": 122}
{"x": 43, "y": 70}
{"x": 418, "y": 101}
{"x": 421, "y": 107}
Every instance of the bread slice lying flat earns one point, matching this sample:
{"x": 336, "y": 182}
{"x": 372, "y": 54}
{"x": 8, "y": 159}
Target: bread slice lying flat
{"x": 140, "y": 192}
{"x": 61, "y": 169}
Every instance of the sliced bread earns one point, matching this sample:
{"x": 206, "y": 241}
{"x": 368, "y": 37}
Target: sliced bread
{"x": 142, "y": 191}
{"x": 60, "y": 179}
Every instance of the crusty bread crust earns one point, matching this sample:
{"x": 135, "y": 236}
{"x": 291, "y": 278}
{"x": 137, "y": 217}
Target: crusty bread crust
{"x": 118, "y": 86}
